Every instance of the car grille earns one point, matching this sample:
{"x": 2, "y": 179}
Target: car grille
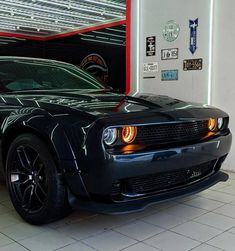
{"x": 163, "y": 180}
{"x": 170, "y": 133}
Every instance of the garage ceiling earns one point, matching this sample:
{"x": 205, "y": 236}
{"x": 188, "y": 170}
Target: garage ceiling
{"x": 45, "y": 18}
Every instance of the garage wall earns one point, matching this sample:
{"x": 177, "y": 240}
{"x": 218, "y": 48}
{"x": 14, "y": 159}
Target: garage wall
{"x": 215, "y": 83}
{"x": 153, "y": 16}
{"x": 223, "y": 89}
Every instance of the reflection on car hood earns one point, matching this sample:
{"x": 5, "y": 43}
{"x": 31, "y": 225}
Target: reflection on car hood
{"x": 96, "y": 102}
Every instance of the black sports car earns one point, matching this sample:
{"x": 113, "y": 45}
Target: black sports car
{"x": 67, "y": 140}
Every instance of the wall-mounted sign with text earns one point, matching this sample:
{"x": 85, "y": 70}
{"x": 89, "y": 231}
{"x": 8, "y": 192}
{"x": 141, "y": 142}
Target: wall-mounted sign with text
{"x": 193, "y": 64}
{"x": 193, "y": 25}
{"x": 151, "y": 46}
{"x": 150, "y": 67}
{"x": 169, "y": 54}
{"x": 170, "y": 75}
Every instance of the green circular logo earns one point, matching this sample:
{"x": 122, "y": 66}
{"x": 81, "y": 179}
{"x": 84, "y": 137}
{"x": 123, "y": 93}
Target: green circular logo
{"x": 171, "y": 31}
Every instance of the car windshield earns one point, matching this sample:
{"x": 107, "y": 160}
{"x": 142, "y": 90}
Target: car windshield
{"x": 20, "y": 75}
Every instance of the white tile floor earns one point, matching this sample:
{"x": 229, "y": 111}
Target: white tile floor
{"x": 203, "y": 222}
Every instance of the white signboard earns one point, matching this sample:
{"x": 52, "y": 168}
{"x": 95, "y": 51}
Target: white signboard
{"x": 150, "y": 67}
{"x": 168, "y": 54}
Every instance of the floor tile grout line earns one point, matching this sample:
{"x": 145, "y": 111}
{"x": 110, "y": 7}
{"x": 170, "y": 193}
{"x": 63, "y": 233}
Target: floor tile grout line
{"x": 13, "y": 241}
{"x": 88, "y": 245}
{"x": 23, "y": 246}
{"x": 216, "y": 228}
{"x": 108, "y": 231}
{"x": 73, "y": 244}
{"x": 187, "y": 220}
{"x": 164, "y": 230}
{"x": 76, "y": 221}
{"x": 206, "y": 242}
{"x": 89, "y": 236}
{"x": 231, "y": 194}
{"x": 171, "y": 230}
{"x": 212, "y": 210}
{"x": 216, "y": 200}
{"x": 174, "y": 233}
{"x": 25, "y": 237}
{"x": 207, "y": 245}
{"x": 194, "y": 220}
{"x": 139, "y": 242}
{"x": 181, "y": 203}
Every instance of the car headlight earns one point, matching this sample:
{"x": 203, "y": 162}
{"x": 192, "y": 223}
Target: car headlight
{"x": 129, "y": 134}
{"x": 212, "y": 124}
{"x": 220, "y": 122}
{"x": 110, "y": 136}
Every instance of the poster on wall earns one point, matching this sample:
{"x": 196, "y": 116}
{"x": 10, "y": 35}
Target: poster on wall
{"x": 193, "y": 25}
{"x": 150, "y": 46}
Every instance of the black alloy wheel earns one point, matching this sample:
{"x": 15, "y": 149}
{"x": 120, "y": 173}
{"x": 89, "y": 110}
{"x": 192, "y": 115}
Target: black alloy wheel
{"x": 36, "y": 188}
{"x": 29, "y": 179}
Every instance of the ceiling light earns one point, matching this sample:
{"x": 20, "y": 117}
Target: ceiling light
{"x": 117, "y": 30}
{"x": 108, "y": 34}
{"x": 112, "y": 4}
{"x": 52, "y": 10}
{"x": 56, "y": 16}
{"x": 101, "y": 41}
{"x": 7, "y": 40}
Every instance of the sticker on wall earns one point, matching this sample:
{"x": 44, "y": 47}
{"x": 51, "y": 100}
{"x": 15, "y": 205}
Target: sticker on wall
{"x": 170, "y": 75}
{"x": 171, "y": 31}
{"x": 169, "y": 54}
{"x": 150, "y": 67}
{"x": 150, "y": 46}
{"x": 193, "y": 64}
{"x": 193, "y": 25}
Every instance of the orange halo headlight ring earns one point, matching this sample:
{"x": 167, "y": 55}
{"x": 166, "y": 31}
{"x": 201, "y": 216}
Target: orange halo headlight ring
{"x": 212, "y": 124}
{"x": 128, "y": 134}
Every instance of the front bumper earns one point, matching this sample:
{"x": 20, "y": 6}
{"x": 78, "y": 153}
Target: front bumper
{"x": 108, "y": 170}
{"x": 139, "y": 204}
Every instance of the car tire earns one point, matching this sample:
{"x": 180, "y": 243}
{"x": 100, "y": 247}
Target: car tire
{"x": 36, "y": 187}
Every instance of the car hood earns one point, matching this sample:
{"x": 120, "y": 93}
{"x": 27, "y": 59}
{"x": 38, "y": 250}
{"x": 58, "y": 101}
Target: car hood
{"x": 104, "y": 103}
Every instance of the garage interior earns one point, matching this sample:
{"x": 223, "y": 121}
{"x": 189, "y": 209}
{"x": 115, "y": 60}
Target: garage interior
{"x": 111, "y": 34}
